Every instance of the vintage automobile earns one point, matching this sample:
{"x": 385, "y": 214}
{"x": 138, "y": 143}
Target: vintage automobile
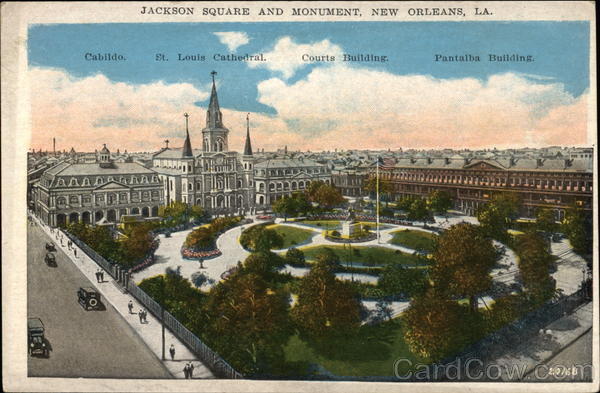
{"x": 50, "y": 246}
{"x": 35, "y": 337}
{"x": 89, "y": 298}
{"x": 50, "y": 259}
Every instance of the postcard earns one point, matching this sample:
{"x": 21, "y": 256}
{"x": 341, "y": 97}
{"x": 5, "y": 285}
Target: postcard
{"x": 292, "y": 196}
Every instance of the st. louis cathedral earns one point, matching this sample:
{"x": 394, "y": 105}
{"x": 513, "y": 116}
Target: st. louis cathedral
{"x": 219, "y": 180}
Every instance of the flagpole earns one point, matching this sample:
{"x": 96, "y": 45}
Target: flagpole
{"x": 377, "y": 192}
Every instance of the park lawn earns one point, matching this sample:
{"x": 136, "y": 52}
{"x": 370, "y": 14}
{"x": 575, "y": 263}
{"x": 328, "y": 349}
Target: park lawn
{"x": 416, "y": 240}
{"x": 367, "y": 255}
{"x": 372, "y": 352}
{"x": 292, "y": 236}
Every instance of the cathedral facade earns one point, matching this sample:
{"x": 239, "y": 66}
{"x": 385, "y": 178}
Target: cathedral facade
{"x": 217, "y": 179}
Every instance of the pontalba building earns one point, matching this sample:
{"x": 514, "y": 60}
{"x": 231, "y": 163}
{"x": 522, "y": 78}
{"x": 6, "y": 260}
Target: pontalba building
{"x": 99, "y": 192}
{"x": 555, "y": 182}
{"x": 215, "y": 178}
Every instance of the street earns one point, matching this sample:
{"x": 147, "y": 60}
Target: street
{"x": 572, "y": 364}
{"x": 93, "y": 344}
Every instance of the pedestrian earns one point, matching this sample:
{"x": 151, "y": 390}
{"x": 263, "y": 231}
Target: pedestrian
{"x": 186, "y": 371}
{"x": 144, "y": 316}
{"x": 101, "y": 275}
{"x": 130, "y": 307}
{"x": 97, "y": 276}
{"x": 191, "y": 370}
{"x": 140, "y": 315}
{"x": 75, "y": 252}
{"x": 172, "y": 352}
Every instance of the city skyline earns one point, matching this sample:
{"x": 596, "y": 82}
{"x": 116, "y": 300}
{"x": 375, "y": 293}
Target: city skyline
{"x": 410, "y": 101}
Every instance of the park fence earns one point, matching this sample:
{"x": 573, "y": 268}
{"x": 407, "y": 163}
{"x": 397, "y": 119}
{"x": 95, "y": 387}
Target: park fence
{"x": 210, "y": 358}
{"x": 513, "y": 334}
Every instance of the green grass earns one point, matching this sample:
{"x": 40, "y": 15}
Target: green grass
{"x": 323, "y": 224}
{"x": 291, "y": 235}
{"x": 365, "y": 255}
{"x": 372, "y": 352}
{"x": 416, "y": 240}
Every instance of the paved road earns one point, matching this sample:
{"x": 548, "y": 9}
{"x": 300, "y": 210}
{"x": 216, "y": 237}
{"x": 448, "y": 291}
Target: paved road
{"x": 572, "y": 364}
{"x": 96, "y": 344}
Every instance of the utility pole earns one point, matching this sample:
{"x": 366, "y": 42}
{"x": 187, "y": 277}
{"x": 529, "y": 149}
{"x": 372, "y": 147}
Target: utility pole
{"x": 377, "y": 193}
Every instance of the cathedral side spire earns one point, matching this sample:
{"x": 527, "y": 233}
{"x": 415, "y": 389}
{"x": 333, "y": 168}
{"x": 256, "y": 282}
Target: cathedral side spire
{"x": 248, "y": 146}
{"x": 187, "y": 145}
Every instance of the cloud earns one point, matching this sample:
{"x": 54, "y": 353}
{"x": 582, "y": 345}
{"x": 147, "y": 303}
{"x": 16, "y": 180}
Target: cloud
{"x": 287, "y": 56}
{"x": 381, "y": 110}
{"x": 233, "y": 39}
{"x": 322, "y": 111}
{"x": 87, "y": 112}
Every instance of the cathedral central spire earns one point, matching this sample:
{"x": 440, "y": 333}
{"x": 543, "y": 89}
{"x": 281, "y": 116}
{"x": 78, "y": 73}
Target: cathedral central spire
{"x": 213, "y": 116}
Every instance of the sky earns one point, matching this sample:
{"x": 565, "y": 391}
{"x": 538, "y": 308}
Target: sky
{"x": 410, "y": 101}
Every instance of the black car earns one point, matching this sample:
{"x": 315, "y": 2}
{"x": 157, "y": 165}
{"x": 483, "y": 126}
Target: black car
{"x": 35, "y": 338}
{"x": 50, "y": 246}
{"x": 89, "y": 298}
{"x": 50, "y": 259}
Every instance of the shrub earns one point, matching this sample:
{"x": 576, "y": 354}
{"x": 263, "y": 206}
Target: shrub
{"x": 335, "y": 233}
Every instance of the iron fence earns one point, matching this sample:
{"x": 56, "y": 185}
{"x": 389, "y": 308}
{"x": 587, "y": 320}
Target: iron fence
{"x": 209, "y": 357}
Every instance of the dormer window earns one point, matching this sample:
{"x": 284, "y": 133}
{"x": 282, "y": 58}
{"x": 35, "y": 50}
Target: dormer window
{"x": 144, "y": 179}
{"x": 73, "y": 182}
{"x": 110, "y": 178}
{"x": 61, "y": 183}
{"x": 86, "y": 181}
{"x": 98, "y": 181}
{"x": 122, "y": 180}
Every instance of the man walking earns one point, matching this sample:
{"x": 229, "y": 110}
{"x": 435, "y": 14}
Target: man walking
{"x": 130, "y": 307}
{"x": 97, "y": 275}
{"x": 186, "y": 371}
{"x": 141, "y": 315}
{"x": 101, "y": 275}
{"x": 191, "y": 370}
{"x": 172, "y": 352}
{"x": 144, "y": 316}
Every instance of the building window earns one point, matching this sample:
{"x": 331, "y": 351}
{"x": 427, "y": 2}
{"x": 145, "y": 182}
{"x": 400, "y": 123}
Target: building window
{"x": 73, "y": 200}
{"x": 61, "y": 201}
{"x": 73, "y": 182}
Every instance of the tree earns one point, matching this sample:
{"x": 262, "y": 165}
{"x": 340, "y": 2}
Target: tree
{"x": 463, "y": 260}
{"x": 176, "y": 212}
{"x": 248, "y": 323}
{"x": 196, "y": 212}
{"x": 200, "y": 238}
{"x": 396, "y": 279}
{"x": 267, "y": 240}
{"x": 326, "y": 306}
{"x": 327, "y": 197}
{"x": 292, "y": 205}
{"x": 418, "y": 210}
{"x": 263, "y": 263}
{"x": 577, "y": 226}
{"x": 535, "y": 263}
{"x": 383, "y": 310}
{"x": 137, "y": 245}
{"x": 437, "y": 327}
{"x": 439, "y": 201}
{"x": 545, "y": 220}
{"x": 295, "y": 257}
{"x": 498, "y": 215}
{"x": 200, "y": 279}
{"x": 385, "y": 187}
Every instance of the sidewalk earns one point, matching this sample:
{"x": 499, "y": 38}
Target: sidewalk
{"x": 555, "y": 337}
{"x": 150, "y": 332}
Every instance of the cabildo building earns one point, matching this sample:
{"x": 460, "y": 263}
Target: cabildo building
{"x": 96, "y": 192}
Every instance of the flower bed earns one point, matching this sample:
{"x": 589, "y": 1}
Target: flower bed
{"x": 189, "y": 253}
{"x": 362, "y": 239}
{"x": 149, "y": 260}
